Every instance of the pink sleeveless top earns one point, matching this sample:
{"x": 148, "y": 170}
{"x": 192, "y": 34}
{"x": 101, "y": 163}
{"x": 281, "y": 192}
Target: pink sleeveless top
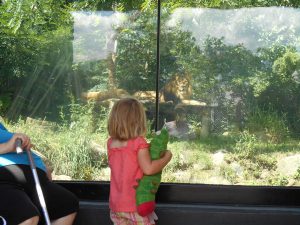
{"x": 125, "y": 170}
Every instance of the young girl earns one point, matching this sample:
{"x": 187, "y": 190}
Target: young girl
{"x": 129, "y": 159}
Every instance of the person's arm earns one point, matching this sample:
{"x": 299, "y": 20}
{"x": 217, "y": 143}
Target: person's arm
{"x": 10, "y": 146}
{"x": 150, "y": 167}
{"x": 49, "y": 171}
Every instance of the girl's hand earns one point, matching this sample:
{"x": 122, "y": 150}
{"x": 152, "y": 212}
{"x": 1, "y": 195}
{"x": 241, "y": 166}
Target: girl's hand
{"x": 167, "y": 155}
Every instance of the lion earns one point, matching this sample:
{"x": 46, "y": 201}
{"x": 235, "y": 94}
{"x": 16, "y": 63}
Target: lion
{"x": 177, "y": 89}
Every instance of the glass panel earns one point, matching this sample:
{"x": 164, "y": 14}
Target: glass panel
{"x": 229, "y": 84}
{"x": 231, "y": 94}
{"x": 63, "y": 66}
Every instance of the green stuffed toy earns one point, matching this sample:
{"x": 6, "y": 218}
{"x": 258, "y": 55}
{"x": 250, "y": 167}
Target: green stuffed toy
{"x": 148, "y": 185}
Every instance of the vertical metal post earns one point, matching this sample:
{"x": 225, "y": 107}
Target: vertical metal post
{"x": 157, "y": 65}
{"x": 38, "y": 187}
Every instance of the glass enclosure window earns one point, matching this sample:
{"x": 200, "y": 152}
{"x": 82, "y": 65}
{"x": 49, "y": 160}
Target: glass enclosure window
{"x": 63, "y": 65}
{"x": 229, "y": 84}
{"x": 231, "y": 94}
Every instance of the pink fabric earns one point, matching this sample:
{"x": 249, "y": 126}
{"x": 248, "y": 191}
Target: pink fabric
{"x": 125, "y": 171}
{"x": 132, "y": 218}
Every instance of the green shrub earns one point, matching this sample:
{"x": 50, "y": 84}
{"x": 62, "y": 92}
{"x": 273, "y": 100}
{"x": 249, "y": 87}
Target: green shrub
{"x": 268, "y": 125}
{"x": 5, "y": 102}
{"x": 246, "y": 145}
{"x": 229, "y": 174}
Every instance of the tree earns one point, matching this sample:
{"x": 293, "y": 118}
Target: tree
{"x": 282, "y": 94}
{"x": 35, "y": 38}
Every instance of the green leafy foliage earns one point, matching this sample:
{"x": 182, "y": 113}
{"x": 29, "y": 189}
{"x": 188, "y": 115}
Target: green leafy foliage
{"x": 268, "y": 125}
{"x": 35, "y": 54}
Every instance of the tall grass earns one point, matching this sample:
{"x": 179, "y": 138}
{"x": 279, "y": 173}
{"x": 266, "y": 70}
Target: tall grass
{"x": 268, "y": 124}
{"x": 69, "y": 146}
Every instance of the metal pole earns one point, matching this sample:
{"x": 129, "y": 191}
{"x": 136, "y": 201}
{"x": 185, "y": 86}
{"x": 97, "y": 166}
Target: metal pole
{"x": 157, "y": 65}
{"x": 36, "y": 181}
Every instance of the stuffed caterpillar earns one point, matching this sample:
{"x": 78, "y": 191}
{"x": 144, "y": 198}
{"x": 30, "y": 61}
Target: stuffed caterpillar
{"x": 148, "y": 185}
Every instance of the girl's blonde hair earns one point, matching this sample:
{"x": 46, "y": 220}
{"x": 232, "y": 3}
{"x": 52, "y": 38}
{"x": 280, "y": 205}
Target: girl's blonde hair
{"x": 127, "y": 119}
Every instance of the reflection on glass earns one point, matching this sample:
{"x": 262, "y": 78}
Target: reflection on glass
{"x": 95, "y": 34}
{"x": 253, "y": 28}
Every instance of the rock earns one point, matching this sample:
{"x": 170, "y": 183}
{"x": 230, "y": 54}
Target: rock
{"x": 103, "y": 95}
{"x": 289, "y": 165}
{"x": 238, "y": 170}
{"x": 97, "y": 148}
{"x": 217, "y": 180}
{"x": 60, "y": 177}
{"x": 218, "y": 157}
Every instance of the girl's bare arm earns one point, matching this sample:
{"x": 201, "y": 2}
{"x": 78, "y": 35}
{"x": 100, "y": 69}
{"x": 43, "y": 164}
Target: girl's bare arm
{"x": 150, "y": 167}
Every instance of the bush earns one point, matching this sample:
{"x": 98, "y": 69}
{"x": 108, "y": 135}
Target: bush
{"x": 246, "y": 145}
{"x": 268, "y": 125}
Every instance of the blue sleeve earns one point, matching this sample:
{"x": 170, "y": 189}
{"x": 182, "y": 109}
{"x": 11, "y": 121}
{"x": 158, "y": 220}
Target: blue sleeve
{"x": 5, "y": 135}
